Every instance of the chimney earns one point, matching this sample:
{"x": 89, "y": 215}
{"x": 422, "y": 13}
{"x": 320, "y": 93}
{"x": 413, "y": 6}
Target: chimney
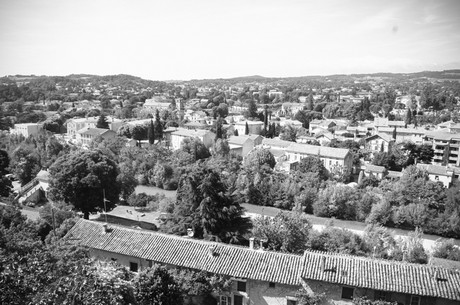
{"x": 323, "y": 263}
{"x": 262, "y": 241}
{"x": 211, "y": 250}
{"x": 106, "y": 228}
{"x": 251, "y": 243}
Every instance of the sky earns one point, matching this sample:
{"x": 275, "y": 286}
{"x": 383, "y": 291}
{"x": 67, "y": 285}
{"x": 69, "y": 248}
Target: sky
{"x": 197, "y": 39}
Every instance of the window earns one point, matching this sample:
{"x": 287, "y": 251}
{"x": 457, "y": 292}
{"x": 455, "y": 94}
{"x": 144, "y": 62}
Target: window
{"x": 133, "y": 267}
{"x": 237, "y": 300}
{"x": 347, "y": 293}
{"x": 113, "y": 259}
{"x": 241, "y": 286}
{"x": 381, "y": 295}
{"x": 271, "y": 285}
{"x": 225, "y": 300}
{"x": 291, "y": 302}
{"x": 414, "y": 300}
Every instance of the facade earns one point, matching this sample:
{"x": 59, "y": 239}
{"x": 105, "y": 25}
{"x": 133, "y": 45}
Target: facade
{"x": 74, "y": 125}
{"x": 413, "y": 135}
{"x": 205, "y": 136}
{"x": 332, "y": 158}
{"x": 446, "y": 147}
{"x": 438, "y": 173}
{"x": 85, "y": 137}
{"x": 377, "y": 171}
{"x": 255, "y": 127}
{"x": 268, "y": 278}
{"x": 379, "y": 142}
{"x": 26, "y": 129}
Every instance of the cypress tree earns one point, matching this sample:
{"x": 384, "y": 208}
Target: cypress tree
{"x": 246, "y": 130}
{"x": 151, "y": 133}
{"x": 158, "y": 126}
{"x": 102, "y": 122}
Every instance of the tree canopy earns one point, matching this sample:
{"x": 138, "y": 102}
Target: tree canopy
{"x": 81, "y": 178}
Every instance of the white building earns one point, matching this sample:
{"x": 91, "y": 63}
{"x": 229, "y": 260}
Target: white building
{"x": 205, "y": 136}
{"x": 26, "y": 129}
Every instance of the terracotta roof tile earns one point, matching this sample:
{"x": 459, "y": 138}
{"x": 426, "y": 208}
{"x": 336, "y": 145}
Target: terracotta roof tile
{"x": 290, "y": 269}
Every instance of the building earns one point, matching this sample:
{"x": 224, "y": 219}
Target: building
{"x": 86, "y": 136}
{"x": 255, "y": 127}
{"x": 379, "y": 142}
{"x": 74, "y": 125}
{"x": 446, "y": 147}
{"x": 436, "y": 173}
{"x": 268, "y": 278}
{"x": 414, "y": 135}
{"x": 205, "y": 136}
{"x": 242, "y": 145}
{"x": 26, "y": 129}
{"x": 376, "y": 171}
{"x": 333, "y": 158}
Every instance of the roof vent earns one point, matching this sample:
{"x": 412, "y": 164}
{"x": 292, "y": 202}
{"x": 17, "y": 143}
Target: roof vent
{"x": 107, "y": 229}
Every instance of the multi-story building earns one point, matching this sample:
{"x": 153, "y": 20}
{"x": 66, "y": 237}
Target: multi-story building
{"x": 446, "y": 147}
{"x": 267, "y": 278}
{"x": 254, "y": 127}
{"x": 205, "y": 136}
{"x": 332, "y": 158}
{"x": 74, "y": 125}
{"x": 26, "y": 129}
{"x": 379, "y": 142}
{"x": 84, "y": 137}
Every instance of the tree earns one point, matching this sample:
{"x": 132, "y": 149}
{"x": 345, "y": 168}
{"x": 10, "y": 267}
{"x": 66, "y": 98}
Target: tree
{"x": 158, "y": 126}
{"x": 4, "y": 161}
{"x": 218, "y": 128}
{"x": 446, "y": 249}
{"x": 394, "y": 133}
{"x": 204, "y": 206}
{"x": 259, "y": 157}
{"x": 312, "y": 164}
{"x": 151, "y": 133}
{"x": 246, "y": 128}
{"x": 139, "y": 132}
{"x": 156, "y": 286}
{"x": 25, "y": 163}
{"x": 408, "y": 119}
{"x": 252, "y": 109}
{"x": 286, "y": 232}
{"x": 81, "y": 178}
{"x": 235, "y": 133}
{"x": 102, "y": 122}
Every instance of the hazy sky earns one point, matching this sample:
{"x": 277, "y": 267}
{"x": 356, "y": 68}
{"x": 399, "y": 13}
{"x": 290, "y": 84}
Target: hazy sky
{"x": 185, "y": 39}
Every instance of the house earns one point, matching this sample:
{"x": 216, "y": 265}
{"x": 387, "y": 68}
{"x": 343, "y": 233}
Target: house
{"x": 26, "y": 129}
{"x": 267, "y": 278}
{"x": 76, "y": 124}
{"x": 379, "y": 142}
{"x": 290, "y": 108}
{"x": 449, "y": 126}
{"x": 414, "y": 135}
{"x": 86, "y": 135}
{"x": 205, "y": 136}
{"x": 437, "y": 173}
{"x": 334, "y": 159}
{"x": 255, "y": 127}
{"x": 242, "y": 145}
{"x": 157, "y": 102}
{"x": 289, "y": 122}
{"x": 324, "y": 137}
{"x": 320, "y": 125}
{"x": 376, "y": 171}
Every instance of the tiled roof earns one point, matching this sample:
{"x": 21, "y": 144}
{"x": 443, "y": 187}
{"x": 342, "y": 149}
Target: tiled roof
{"x": 322, "y": 151}
{"x": 375, "y": 168}
{"x": 95, "y": 131}
{"x": 435, "y": 169}
{"x": 394, "y": 174}
{"x": 238, "y": 140}
{"x": 190, "y": 133}
{"x": 442, "y": 135}
{"x": 250, "y": 123}
{"x": 276, "y": 143}
{"x": 384, "y": 136}
{"x": 382, "y": 275}
{"x": 268, "y": 266}
{"x": 228, "y": 260}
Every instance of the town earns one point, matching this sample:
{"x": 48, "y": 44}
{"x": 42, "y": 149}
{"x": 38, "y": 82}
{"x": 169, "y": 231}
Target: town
{"x": 212, "y": 191}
